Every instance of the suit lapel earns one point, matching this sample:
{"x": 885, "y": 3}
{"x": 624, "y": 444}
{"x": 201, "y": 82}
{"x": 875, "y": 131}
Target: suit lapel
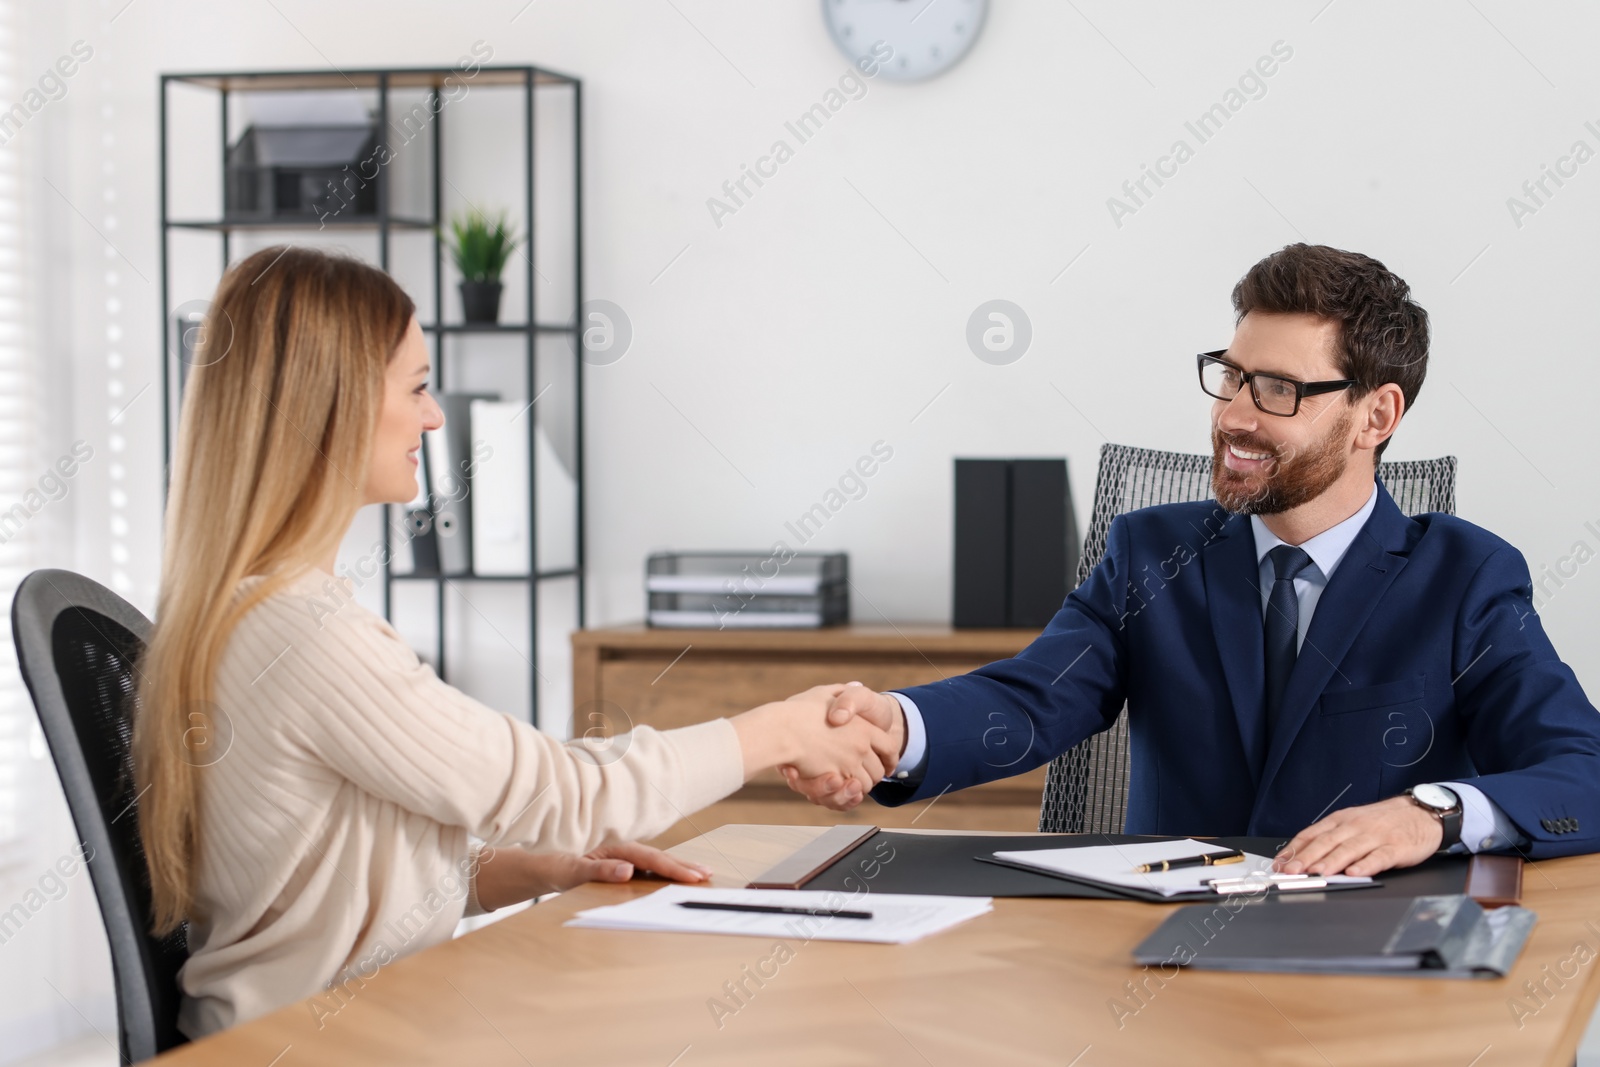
{"x": 1233, "y": 595}
{"x": 1361, "y": 579}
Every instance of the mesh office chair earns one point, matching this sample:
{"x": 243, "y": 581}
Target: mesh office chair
{"x": 1086, "y": 788}
{"x": 76, "y": 645}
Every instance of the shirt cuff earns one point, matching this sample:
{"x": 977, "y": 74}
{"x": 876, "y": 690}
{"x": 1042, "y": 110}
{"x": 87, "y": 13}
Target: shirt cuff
{"x": 473, "y": 863}
{"x": 914, "y": 760}
{"x": 1484, "y": 827}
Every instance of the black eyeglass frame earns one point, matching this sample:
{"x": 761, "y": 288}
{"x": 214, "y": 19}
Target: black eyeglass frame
{"x": 1301, "y": 389}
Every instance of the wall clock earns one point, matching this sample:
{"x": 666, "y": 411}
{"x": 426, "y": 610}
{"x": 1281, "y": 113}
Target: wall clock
{"x": 928, "y": 37}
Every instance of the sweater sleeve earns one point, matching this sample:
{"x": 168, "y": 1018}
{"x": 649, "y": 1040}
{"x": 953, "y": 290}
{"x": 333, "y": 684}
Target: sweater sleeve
{"x": 343, "y": 690}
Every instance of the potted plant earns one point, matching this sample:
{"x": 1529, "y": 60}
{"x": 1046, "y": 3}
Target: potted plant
{"x": 480, "y": 247}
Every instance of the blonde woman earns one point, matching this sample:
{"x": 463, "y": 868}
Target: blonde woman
{"x": 308, "y": 787}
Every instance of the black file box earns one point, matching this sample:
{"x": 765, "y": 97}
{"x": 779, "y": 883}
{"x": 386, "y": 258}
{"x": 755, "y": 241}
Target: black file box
{"x": 1016, "y": 542}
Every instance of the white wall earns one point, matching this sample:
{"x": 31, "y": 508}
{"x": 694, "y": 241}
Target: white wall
{"x": 829, "y": 311}
{"x": 772, "y": 351}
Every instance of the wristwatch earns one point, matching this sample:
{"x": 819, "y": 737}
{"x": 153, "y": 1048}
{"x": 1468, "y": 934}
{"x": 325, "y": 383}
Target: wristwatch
{"x": 1444, "y": 805}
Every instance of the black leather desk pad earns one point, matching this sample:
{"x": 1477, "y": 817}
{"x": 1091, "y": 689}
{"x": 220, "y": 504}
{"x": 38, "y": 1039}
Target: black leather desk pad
{"x": 946, "y": 865}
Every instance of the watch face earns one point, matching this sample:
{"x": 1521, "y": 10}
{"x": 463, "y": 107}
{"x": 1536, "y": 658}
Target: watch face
{"x": 921, "y": 37}
{"x": 1434, "y": 796}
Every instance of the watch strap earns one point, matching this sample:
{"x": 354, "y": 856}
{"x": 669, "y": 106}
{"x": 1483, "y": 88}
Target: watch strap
{"x": 1449, "y": 820}
{"x": 1451, "y": 823}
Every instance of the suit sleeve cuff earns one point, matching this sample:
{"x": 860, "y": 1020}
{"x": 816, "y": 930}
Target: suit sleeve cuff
{"x": 914, "y": 760}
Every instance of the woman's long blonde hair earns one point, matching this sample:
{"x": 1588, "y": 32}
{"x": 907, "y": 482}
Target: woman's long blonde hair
{"x": 280, "y": 407}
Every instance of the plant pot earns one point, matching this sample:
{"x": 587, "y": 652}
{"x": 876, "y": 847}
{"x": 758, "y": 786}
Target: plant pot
{"x": 480, "y": 301}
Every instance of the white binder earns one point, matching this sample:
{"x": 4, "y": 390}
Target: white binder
{"x": 500, "y": 487}
{"x": 500, "y": 493}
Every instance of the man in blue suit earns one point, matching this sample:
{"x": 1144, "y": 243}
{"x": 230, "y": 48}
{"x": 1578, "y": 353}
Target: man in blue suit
{"x": 1298, "y": 658}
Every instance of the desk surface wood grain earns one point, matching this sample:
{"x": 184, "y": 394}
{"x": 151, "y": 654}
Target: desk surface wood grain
{"x": 1037, "y": 982}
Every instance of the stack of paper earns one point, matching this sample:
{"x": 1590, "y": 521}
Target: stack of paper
{"x": 897, "y": 918}
{"x": 1114, "y": 865}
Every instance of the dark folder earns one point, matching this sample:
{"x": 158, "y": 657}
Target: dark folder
{"x": 424, "y": 542}
{"x": 1448, "y": 936}
{"x": 416, "y": 530}
{"x": 890, "y": 861}
{"x": 450, "y": 480}
{"x": 1044, "y": 541}
{"x": 983, "y": 509}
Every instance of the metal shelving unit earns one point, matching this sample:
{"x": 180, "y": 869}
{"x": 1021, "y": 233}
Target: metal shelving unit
{"x": 434, "y": 81}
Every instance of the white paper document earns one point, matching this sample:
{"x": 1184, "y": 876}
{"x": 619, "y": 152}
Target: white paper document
{"x": 897, "y": 918}
{"x": 1114, "y": 865}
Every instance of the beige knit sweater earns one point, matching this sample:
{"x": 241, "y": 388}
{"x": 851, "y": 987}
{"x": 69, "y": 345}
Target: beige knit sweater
{"x": 334, "y": 827}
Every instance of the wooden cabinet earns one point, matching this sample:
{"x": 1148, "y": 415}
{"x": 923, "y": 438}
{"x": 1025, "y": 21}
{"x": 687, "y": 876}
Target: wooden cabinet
{"x": 625, "y": 676}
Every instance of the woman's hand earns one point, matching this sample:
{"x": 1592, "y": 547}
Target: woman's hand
{"x": 511, "y": 875}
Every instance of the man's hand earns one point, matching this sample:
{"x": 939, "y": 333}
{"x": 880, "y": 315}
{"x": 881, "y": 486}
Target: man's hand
{"x": 854, "y": 702}
{"x": 1364, "y": 840}
{"x": 512, "y": 875}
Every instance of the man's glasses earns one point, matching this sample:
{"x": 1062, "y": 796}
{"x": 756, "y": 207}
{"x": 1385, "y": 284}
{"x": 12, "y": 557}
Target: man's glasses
{"x": 1274, "y": 395}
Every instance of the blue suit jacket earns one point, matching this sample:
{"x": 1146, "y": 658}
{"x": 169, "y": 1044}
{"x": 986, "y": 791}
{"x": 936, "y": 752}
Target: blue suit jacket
{"x": 1424, "y": 662}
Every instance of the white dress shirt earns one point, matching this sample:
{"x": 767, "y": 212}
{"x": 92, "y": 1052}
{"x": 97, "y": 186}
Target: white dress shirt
{"x": 1483, "y": 825}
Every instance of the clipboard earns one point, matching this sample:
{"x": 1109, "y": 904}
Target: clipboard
{"x": 1208, "y": 883}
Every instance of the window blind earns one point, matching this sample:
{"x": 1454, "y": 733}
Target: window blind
{"x": 20, "y": 465}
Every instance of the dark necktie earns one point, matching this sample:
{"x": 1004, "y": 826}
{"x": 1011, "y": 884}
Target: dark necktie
{"x": 1282, "y": 626}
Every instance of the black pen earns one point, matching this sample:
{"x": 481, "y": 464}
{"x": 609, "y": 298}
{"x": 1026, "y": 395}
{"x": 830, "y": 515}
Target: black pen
{"x": 1208, "y": 859}
{"x": 774, "y": 909}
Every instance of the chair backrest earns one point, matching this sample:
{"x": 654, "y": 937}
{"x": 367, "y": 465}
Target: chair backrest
{"x": 77, "y": 643}
{"x": 1086, "y": 788}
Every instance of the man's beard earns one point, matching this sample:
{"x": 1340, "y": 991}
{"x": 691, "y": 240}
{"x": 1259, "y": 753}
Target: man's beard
{"x": 1284, "y": 482}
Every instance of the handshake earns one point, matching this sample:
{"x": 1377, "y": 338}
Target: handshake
{"x": 832, "y": 743}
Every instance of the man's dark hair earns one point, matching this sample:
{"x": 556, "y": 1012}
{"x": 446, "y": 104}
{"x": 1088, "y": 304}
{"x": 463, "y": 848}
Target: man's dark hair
{"x": 1383, "y": 333}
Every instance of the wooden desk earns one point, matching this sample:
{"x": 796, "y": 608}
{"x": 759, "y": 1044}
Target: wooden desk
{"x": 1031, "y": 984}
{"x": 625, "y": 676}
